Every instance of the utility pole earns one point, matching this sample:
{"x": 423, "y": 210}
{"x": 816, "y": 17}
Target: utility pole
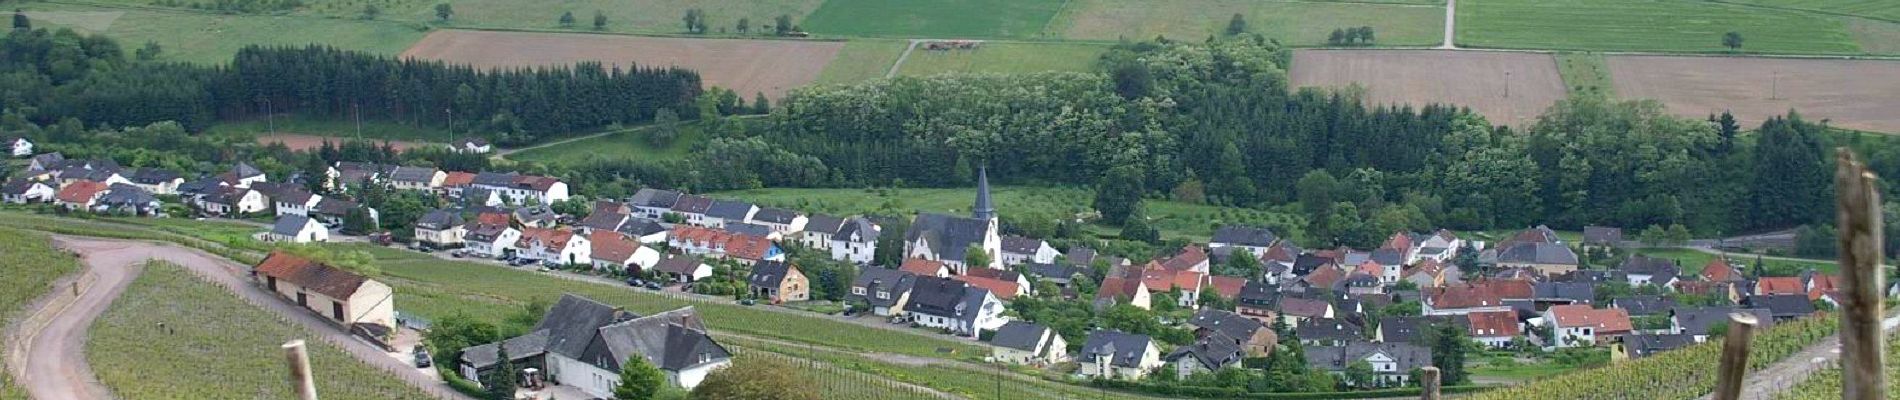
{"x": 270, "y": 117}
{"x": 451, "y": 113}
{"x": 359, "y": 119}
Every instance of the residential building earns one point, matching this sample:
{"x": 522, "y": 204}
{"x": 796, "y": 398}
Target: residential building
{"x": 1253, "y": 240}
{"x": 818, "y": 231}
{"x": 471, "y": 145}
{"x": 348, "y": 299}
{"x": 128, "y": 199}
{"x": 1112, "y": 354}
{"x": 884, "y": 290}
{"x": 583, "y": 343}
{"x": 691, "y": 209}
{"x": 652, "y": 203}
{"x": 923, "y": 267}
{"x": 1250, "y": 335}
{"x": 1579, "y": 325}
{"x": 558, "y": 246}
{"x": 1440, "y": 246}
{"x": 1160, "y": 279}
{"x": 1601, "y": 237}
{"x": 243, "y": 175}
{"x": 1461, "y": 300}
{"x": 518, "y": 189}
{"x": 1783, "y": 307}
{"x": 1648, "y": 344}
{"x": 684, "y": 269}
{"x": 1392, "y": 363}
{"x": 46, "y": 162}
{"x": 1719, "y": 270}
{"x": 1118, "y": 290}
{"x": 232, "y": 200}
{"x": 21, "y": 191}
{"x": 780, "y": 221}
{"x": 1019, "y": 342}
{"x": 1257, "y": 300}
{"x": 1062, "y": 275}
{"x": 1701, "y": 322}
{"x": 17, "y": 147}
{"x": 1546, "y": 258}
{"x": 1329, "y": 332}
{"x": 441, "y": 229}
{"x": 778, "y": 282}
{"x": 1206, "y": 354}
{"x": 1018, "y": 250}
{"x": 615, "y": 252}
{"x": 415, "y": 178}
{"x": 724, "y": 212}
{"x": 491, "y": 240}
{"x": 80, "y": 195}
{"x": 1005, "y": 290}
{"x": 954, "y": 306}
{"x": 157, "y": 181}
{"x": 855, "y": 241}
{"x": 1644, "y": 305}
{"x": 645, "y": 231}
{"x": 1494, "y": 329}
{"x": 297, "y": 229}
{"x": 1642, "y": 270}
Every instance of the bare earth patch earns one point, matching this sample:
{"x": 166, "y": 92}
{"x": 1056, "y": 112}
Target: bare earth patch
{"x": 306, "y": 142}
{"x": 1855, "y": 94}
{"x": 1508, "y": 88}
{"x": 772, "y": 67}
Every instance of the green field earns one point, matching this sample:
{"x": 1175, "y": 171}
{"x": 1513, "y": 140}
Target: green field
{"x": 1876, "y": 9}
{"x": 372, "y": 129}
{"x": 200, "y": 37}
{"x": 214, "y": 347}
{"x": 862, "y": 60}
{"x": 630, "y": 143}
{"x": 1175, "y": 219}
{"x": 27, "y": 272}
{"x": 1692, "y": 262}
{"x": 1585, "y": 74}
{"x": 1298, "y": 23}
{"x": 1005, "y": 58}
{"x": 1647, "y": 25}
{"x": 941, "y": 19}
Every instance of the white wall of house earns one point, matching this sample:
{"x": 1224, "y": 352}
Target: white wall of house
{"x": 500, "y": 246}
{"x": 691, "y": 376}
{"x": 853, "y": 250}
{"x": 446, "y": 237}
{"x": 586, "y": 377}
{"x": 1098, "y": 366}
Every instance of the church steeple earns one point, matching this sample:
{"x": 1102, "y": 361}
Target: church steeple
{"x": 984, "y": 209}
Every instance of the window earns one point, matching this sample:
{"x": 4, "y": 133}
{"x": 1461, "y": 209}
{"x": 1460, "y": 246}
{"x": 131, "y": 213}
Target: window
{"x": 860, "y": 291}
{"x": 883, "y": 295}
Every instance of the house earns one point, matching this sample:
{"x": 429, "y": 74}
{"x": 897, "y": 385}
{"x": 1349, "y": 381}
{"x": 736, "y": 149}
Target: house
{"x": 753, "y": 230}
{"x": 232, "y": 200}
{"x": 471, "y": 145}
{"x": 297, "y": 229}
{"x": 415, "y": 178}
{"x": 455, "y": 184}
{"x": 519, "y": 189}
{"x": 1257, "y": 300}
{"x": 1644, "y": 305}
{"x": 818, "y": 231}
{"x": 1601, "y": 237}
{"x": 1190, "y": 258}
{"x": 691, "y": 209}
{"x": 1227, "y": 287}
{"x": 780, "y": 221}
{"x": 1062, "y": 275}
{"x": 723, "y": 212}
{"x": 331, "y": 210}
{"x": 1019, "y": 342}
{"x": 128, "y": 199}
{"x": 615, "y": 252}
{"x": 1461, "y": 300}
{"x": 243, "y": 175}
{"x": 80, "y": 195}
{"x": 347, "y": 174}
{"x": 491, "y": 240}
{"x": 1719, "y": 270}
{"x": 157, "y": 181}
{"x": 855, "y": 241}
{"x": 1701, "y": 322}
{"x": 17, "y": 147}
{"x": 1648, "y": 344}
{"x": 1642, "y": 270}
{"x": 947, "y": 238}
{"x": 1579, "y": 325}
{"x": 1391, "y": 264}
{"x": 1118, "y": 290}
{"x": 441, "y": 229}
{"x": 753, "y": 249}
{"x": 1405, "y": 329}
{"x": 536, "y": 216}
{"x": 1297, "y": 310}
{"x": 1494, "y": 329}
{"x": 1782, "y": 307}
{"x": 46, "y": 162}
{"x": 583, "y": 343}
{"x": 1253, "y": 240}
{"x": 1018, "y": 250}
{"x": 21, "y": 191}
{"x": 1329, "y": 332}
{"x": 1160, "y": 279}
{"x": 717, "y": 243}
{"x": 1005, "y": 290}
{"x": 288, "y": 198}
{"x": 1110, "y": 354}
{"x": 652, "y": 203}
{"x": 922, "y": 267}
{"x": 1250, "y": 335}
{"x": 778, "y": 282}
{"x": 1392, "y": 362}
{"x": 1546, "y": 258}
{"x": 954, "y": 306}
{"x": 1429, "y": 273}
{"x": 884, "y": 290}
{"x": 558, "y": 246}
{"x": 348, "y": 299}
{"x": 1728, "y": 291}
{"x": 1206, "y": 354}
{"x": 1546, "y": 294}
{"x": 684, "y": 269}
{"x": 75, "y": 173}
{"x": 1440, "y": 246}
{"x": 645, "y": 231}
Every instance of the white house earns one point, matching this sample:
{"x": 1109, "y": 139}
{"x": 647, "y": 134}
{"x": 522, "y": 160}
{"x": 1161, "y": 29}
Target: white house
{"x": 490, "y": 240}
{"x": 953, "y": 305}
{"x": 415, "y": 178}
{"x": 1115, "y": 355}
{"x": 650, "y": 203}
{"x": 297, "y": 229}
{"x": 231, "y": 200}
{"x": 615, "y": 252}
{"x": 780, "y": 221}
{"x": 1018, "y": 250}
{"x": 583, "y": 344}
{"x": 338, "y": 295}
{"x": 22, "y": 191}
{"x": 1578, "y": 325}
{"x": 441, "y": 229}
{"x": 18, "y": 147}
{"x": 683, "y": 269}
{"x": 157, "y": 181}
{"x": 1021, "y": 342}
{"x": 1256, "y": 241}
{"x": 295, "y": 202}
{"x": 554, "y": 245}
{"x": 471, "y": 145}
{"x": 855, "y": 241}
{"x": 521, "y": 189}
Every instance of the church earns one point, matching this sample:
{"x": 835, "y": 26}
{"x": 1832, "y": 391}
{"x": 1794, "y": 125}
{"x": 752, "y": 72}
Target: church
{"x": 949, "y": 238}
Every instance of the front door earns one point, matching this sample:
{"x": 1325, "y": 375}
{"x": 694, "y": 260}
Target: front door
{"x": 302, "y": 300}
{"x": 336, "y": 310}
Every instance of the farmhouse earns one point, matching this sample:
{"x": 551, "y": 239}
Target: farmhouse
{"x": 1207, "y": 354}
{"x": 1112, "y": 354}
{"x": 583, "y": 343}
{"x": 1495, "y": 329}
{"x": 1019, "y": 342}
{"x": 348, "y": 299}
{"x": 415, "y": 178}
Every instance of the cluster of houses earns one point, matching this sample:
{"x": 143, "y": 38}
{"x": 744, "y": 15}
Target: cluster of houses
{"x": 99, "y": 186}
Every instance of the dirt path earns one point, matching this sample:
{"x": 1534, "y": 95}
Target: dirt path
{"x": 1784, "y": 374}
{"x": 56, "y": 367}
{"x": 48, "y": 354}
{"x": 1451, "y": 24}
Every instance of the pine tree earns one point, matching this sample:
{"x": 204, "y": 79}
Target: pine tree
{"x": 20, "y": 22}
{"x": 567, "y": 19}
{"x": 501, "y": 381}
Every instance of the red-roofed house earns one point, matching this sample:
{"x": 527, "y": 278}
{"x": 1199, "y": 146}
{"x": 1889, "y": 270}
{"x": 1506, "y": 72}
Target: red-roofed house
{"x": 1191, "y": 258}
{"x": 753, "y": 249}
{"x": 1772, "y": 285}
{"x": 1004, "y": 290}
{"x": 925, "y": 267}
{"x": 1115, "y": 290}
{"x": 1576, "y": 325}
{"x": 342, "y": 297}
{"x": 80, "y": 195}
{"x": 555, "y": 245}
{"x": 615, "y": 252}
{"x": 1228, "y": 287}
{"x": 1493, "y": 328}
{"x": 1462, "y": 300}
{"x": 1719, "y": 270}
{"x": 1163, "y": 279}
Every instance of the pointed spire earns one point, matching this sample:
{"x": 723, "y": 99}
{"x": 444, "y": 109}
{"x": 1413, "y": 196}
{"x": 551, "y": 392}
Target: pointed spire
{"x": 984, "y": 209}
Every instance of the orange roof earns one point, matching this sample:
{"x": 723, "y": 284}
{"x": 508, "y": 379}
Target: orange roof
{"x": 1003, "y": 289}
{"x": 1509, "y": 289}
{"x": 458, "y": 179}
{"x": 1370, "y": 268}
{"x": 1822, "y": 284}
{"x": 324, "y": 279}
{"x": 1162, "y": 279}
{"x": 1113, "y": 287}
{"x": 1189, "y": 257}
{"x": 1399, "y": 241}
{"x": 1428, "y": 266}
{"x": 922, "y": 267}
{"x": 1719, "y": 270}
{"x": 612, "y": 246}
{"x": 1325, "y": 277}
{"x": 1493, "y": 323}
{"x": 1780, "y": 285}
{"x": 1465, "y": 296}
{"x": 552, "y": 238}
{"x": 1228, "y": 287}
{"x": 706, "y": 237}
{"x": 493, "y": 218}
{"x": 1607, "y": 320}
{"x": 81, "y": 191}
{"x": 748, "y": 247}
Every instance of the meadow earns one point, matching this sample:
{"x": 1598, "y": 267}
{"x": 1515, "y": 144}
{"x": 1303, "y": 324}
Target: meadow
{"x": 1299, "y": 23}
{"x": 1647, "y": 25}
{"x": 1005, "y": 57}
{"x": 626, "y": 143}
{"x": 1176, "y": 220}
{"x": 373, "y": 129}
{"x": 207, "y": 38}
{"x": 27, "y": 272}
{"x": 942, "y": 19}
{"x": 214, "y": 346}
{"x": 1692, "y": 262}
{"x": 1585, "y": 74}
{"x": 862, "y": 60}
{"x": 1873, "y": 9}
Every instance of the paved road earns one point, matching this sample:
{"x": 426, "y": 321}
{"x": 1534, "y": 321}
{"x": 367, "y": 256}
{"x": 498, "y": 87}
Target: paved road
{"x": 53, "y": 363}
{"x": 56, "y": 368}
{"x": 1784, "y": 374}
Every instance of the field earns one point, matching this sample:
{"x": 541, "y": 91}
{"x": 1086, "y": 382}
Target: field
{"x": 1175, "y": 219}
{"x": 631, "y": 143}
{"x": 1585, "y": 74}
{"x": 27, "y": 272}
{"x": 941, "y": 19}
{"x": 334, "y": 128}
{"x": 655, "y": 16}
{"x": 1647, "y": 25}
{"x": 1507, "y": 88}
{"x": 1692, "y": 262}
{"x": 1875, "y": 36}
{"x": 1876, "y": 9}
{"x": 1853, "y": 94}
{"x": 213, "y": 38}
{"x": 1300, "y": 23}
{"x": 1005, "y": 58}
{"x": 862, "y": 60}
{"x": 745, "y": 66}
{"x": 214, "y": 346}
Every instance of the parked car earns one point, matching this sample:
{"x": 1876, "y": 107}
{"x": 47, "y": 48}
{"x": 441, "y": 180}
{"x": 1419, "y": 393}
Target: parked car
{"x": 458, "y": 254}
{"x": 422, "y": 358}
{"x": 653, "y": 286}
{"x": 635, "y": 282}
{"x": 747, "y": 302}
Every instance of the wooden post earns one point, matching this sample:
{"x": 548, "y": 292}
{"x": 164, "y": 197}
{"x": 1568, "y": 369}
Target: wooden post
{"x": 1428, "y": 383}
{"x": 1858, "y": 202}
{"x": 300, "y": 381}
{"x": 1734, "y": 367}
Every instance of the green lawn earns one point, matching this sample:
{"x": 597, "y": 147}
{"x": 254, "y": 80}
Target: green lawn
{"x": 1175, "y": 219}
{"x": 940, "y": 19}
{"x": 1585, "y": 74}
{"x": 1646, "y": 25}
{"x": 1692, "y": 262}
{"x": 629, "y": 143}
{"x": 215, "y": 346}
{"x": 1300, "y": 23}
{"x": 1519, "y": 372}
{"x": 27, "y": 272}
{"x": 208, "y": 38}
{"x": 1005, "y": 58}
{"x": 372, "y": 129}
{"x": 862, "y": 60}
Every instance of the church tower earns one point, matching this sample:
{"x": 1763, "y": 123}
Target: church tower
{"x": 984, "y": 210}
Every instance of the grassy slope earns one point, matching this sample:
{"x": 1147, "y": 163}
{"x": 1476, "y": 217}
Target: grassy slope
{"x": 1646, "y": 25}
{"x": 862, "y": 60}
{"x": 372, "y": 129}
{"x": 27, "y": 272}
{"x": 631, "y": 143}
{"x": 221, "y": 348}
{"x": 211, "y": 38}
{"x": 1585, "y": 74}
{"x": 1175, "y": 219}
{"x": 935, "y": 19}
{"x": 1005, "y": 58}
{"x": 1692, "y": 262}
{"x": 1292, "y": 22}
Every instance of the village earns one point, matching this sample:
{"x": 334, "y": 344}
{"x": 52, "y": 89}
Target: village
{"x": 1370, "y": 317}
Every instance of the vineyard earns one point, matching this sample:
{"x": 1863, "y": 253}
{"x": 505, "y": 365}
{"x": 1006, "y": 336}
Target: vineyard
{"x": 1826, "y": 385}
{"x": 834, "y": 382}
{"x": 1685, "y": 373}
{"x": 28, "y": 271}
{"x": 213, "y": 346}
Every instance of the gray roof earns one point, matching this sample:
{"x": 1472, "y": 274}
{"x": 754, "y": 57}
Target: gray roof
{"x": 983, "y": 208}
{"x": 770, "y": 273}
{"x": 947, "y": 235}
{"x": 775, "y": 215}
{"x": 730, "y": 210}
{"x": 572, "y": 322}
{"x": 1538, "y": 253}
{"x": 1329, "y": 329}
{"x": 876, "y": 279}
{"x": 1698, "y": 321}
{"x": 604, "y": 220}
{"x": 1123, "y": 349}
{"x": 536, "y": 213}
{"x": 334, "y": 206}
{"x": 1233, "y": 326}
{"x": 935, "y": 296}
{"x": 1602, "y": 235}
{"x": 1781, "y": 305}
{"x": 519, "y": 348}
{"x": 1581, "y": 292}
{"x": 412, "y": 174}
{"x": 823, "y": 224}
{"x": 1407, "y": 329}
{"x": 127, "y": 195}
{"x": 289, "y": 224}
{"x": 50, "y": 160}
{"x": 1020, "y": 335}
{"x": 867, "y": 232}
{"x": 484, "y": 233}
{"x": 753, "y": 230}
{"x": 654, "y": 198}
{"x": 440, "y": 219}
{"x": 1646, "y": 344}
{"x": 681, "y": 265}
{"x": 1388, "y": 257}
{"x": 1244, "y": 236}
{"x": 640, "y": 227}
{"x": 1021, "y": 245}
{"x": 1054, "y": 272}
{"x": 672, "y": 340}
{"x": 1644, "y": 304}
{"x": 245, "y": 170}
{"x": 692, "y": 204}
{"x": 1644, "y": 265}
{"x": 154, "y": 176}
{"x": 1337, "y": 358}
{"x": 496, "y": 179}
{"x": 1212, "y": 352}
{"x": 18, "y": 186}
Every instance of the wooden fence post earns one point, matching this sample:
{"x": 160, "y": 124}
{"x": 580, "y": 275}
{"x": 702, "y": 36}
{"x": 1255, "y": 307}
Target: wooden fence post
{"x": 1734, "y": 366}
{"x": 299, "y": 360}
{"x": 1428, "y": 382}
{"x": 1859, "y": 219}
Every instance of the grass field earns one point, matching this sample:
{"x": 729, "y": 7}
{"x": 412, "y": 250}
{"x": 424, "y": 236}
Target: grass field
{"x": 630, "y": 143}
{"x": 1175, "y": 219}
{"x": 1585, "y": 74}
{"x": 862, "y": 60}
{"x": 654, "y": 16}
{"x": 1647, "y": 25}
{"x": 214, "y": 347}
{"x": 1692, "y": 262}
{"x": 1877, "y": 9}
{"x": 1005, "y": 58}
{"x": 27, "y": 272}
{"x": 198, "y": 37}
{"x": 942, "y": 19}
{"x": 1293, "y": 22}
{"x": 372, "y": 129}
